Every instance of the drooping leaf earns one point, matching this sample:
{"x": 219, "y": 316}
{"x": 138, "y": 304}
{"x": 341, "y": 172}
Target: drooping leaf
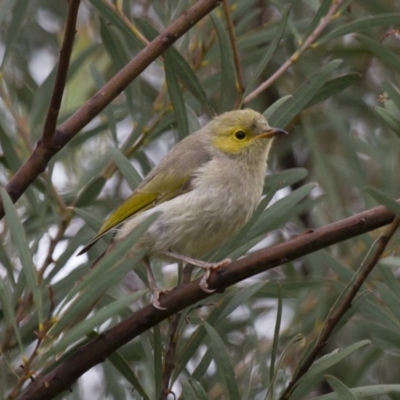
{"x": 228, "y": 76}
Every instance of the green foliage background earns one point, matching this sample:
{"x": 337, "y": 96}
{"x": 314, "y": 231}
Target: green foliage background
{"x": 340, "y": 102}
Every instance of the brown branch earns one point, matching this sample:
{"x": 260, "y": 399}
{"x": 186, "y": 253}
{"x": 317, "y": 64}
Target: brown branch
{"x": 62, "y": 72}
{"x": 63, "y": 376}
{"x": 295, "y": 56}
{"x": 43, "y": 152}
{"x": 343, "y": 307}
{"x": 235, "y": 51}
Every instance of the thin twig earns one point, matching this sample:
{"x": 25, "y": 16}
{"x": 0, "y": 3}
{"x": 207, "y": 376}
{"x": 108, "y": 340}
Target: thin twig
{"x": 332, "y": 320}
{"x": 169, "y": 360}
{"x": 94, "y": 352}
{"x": 295, "y": 56}
{"x": 62, "y": 72}
{"x": 236, "y": 58}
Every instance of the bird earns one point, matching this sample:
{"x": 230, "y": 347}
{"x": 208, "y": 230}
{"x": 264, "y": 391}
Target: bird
{"x": 205, "y": 190}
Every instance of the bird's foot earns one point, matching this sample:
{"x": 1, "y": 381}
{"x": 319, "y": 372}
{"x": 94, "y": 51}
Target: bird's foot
{"x": 208, "y": 269}
{"x": 156, "y": 292}
{"x": 154, "y": 289}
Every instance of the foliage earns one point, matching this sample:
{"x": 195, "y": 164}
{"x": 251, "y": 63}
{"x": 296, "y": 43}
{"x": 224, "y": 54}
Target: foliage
{"x": 339, "y": 98}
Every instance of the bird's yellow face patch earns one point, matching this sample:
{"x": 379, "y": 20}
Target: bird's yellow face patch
{"x": 234, "y": 141}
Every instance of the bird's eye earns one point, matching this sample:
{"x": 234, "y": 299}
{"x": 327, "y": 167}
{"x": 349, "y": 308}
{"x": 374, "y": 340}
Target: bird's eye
{"x": 240, "y": 135}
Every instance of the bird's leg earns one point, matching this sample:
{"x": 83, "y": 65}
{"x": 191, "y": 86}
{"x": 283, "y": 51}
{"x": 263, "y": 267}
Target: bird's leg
{"x": 154, "y": 289}
{"x": 208, "y": 267}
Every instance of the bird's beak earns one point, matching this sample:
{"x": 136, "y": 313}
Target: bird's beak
{"x": 271, "y": 132}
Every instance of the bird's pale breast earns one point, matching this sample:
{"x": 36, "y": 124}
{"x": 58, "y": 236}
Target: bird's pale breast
{"x": 195, "y": 223}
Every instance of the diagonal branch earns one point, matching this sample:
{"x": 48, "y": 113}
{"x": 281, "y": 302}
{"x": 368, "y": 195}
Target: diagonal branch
{"x": 70, "y": 369}
{"x": 62, "y": 72}
{"x": 44, "y": 151}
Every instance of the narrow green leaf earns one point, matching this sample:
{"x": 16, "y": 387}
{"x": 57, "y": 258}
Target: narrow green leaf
{"x": 190, "y": 80}
{"x": 187, "y": 391}
{"x": 284, "y": 178}
{"x": 390, "y": 299}
{"x": 359, "y": 25}
{"x": 94, "y": 222}
{"x": 321, "y": 12}
{"x": 175, "y": 95}
{"x": 108, "y": 13}
{"x": 79, "y": 331}
{"x": 277, "y": 104}
{"x": 8, "y": 149}
{"x": 222, "y": 359}
{"x": 203, "y": 365}
{"x": 381, "y": 314}
{"x": 304, "y": 389}
{"x": 393, "y": 94}
{"x": 125, "y": 370}
{"x": 119, "y": 59}
{"x": 148, "y": 360}
{"x": 198, "y": 390}
{"x": 278, "y": 213}
{"x": 289, "y": 287}
{"x": 390, "y": 119}
{"x": 333, "y": 87}
{"x": 183, "y": 70}
{"x": 340, "y": 388}
{"x": 108, "y": 111}
{"x": 271, "y": 50}
{"x": 228, "y": 76}
{"x": 14, "y": 25}
{"x": 386, "y": 56}
{"x": 230, "y": 301}
{"x": 388, "y": 276}
{"x": 96, "y": 276}
{"x": 364, "y": 391}
{"x": 247, "y": 382}
{"x": 86, "y": 300}
{"x": 90, "y": 192}
{"x": 385, "y": 200}
{"x": 303, "y": 95}
{"x": 6, "y": 263}
{"x": 274, "y": 350}
{"x": 287, "y": 349}
{"x": 128, "y": 171}
{"x": 158, "y": 366}
{"x": 109, "y": 269}
{"x": 7, "y": 309}
{"x": 111, "y": 46}
{"x": 333, "y": 358}
{"x": 355, "y": 307}
{"x": 28, "y": 268}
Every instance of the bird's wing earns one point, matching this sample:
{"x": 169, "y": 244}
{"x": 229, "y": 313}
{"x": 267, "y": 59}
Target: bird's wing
{"x": 170, "y": 178}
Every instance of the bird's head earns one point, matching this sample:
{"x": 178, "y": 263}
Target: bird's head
{"x": 242, "y": 133}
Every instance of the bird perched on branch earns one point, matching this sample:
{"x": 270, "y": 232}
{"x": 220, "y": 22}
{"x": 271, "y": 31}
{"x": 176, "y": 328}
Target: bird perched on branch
{"x": 205, "y": 190}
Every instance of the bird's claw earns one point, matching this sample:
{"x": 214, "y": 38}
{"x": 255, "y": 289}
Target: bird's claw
{"x": 210, "y": 268}
{"x": 156, "y": 298}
